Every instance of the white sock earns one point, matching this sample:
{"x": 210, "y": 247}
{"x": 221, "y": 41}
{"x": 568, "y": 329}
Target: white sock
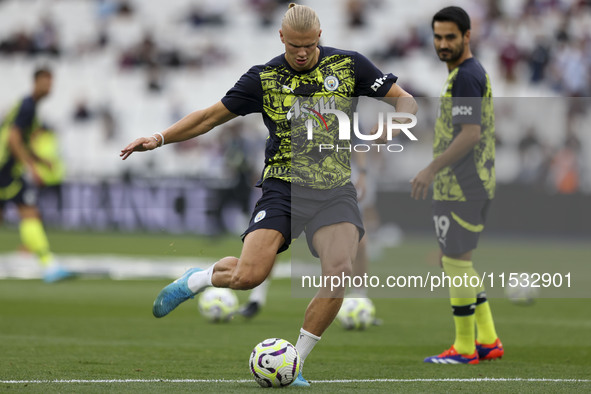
{"x": 259, "y": 293}
{"x": 200, "y": 280}
{"x": 305, "y": 344}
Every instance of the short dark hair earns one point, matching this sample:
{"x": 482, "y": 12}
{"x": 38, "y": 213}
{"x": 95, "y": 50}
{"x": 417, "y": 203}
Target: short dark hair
{"x": 453, "y": 14}
{"x": 42, "y": 72}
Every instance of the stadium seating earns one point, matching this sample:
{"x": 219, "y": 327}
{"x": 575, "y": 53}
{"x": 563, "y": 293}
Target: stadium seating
{"x": 87, "y": 71}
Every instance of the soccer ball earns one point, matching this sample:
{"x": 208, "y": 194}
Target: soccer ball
{"x": 274, "y": 363}
{"x": 521, "y": 294}
{"x": 218, "y": 304}
{"x": 356, "y": 313}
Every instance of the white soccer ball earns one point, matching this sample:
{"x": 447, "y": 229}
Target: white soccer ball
{"x": 274, "y": 363}
{"x": 522, "y": 294}
{"x": 218, "y": 304}
{"x": 356, "y": 313}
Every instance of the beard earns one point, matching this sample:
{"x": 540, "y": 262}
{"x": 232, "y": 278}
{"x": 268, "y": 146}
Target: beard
{"x": 451, "y": 55}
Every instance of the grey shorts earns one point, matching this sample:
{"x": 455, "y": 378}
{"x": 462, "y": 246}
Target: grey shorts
{"x": 291, "y": 210}
{"x": 458, "y": 224}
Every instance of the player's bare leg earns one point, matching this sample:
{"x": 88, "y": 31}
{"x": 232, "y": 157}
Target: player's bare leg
{"x": 337, "y": 246}
{"x": 254, "y": 265}
{"x": 255, "y": 262}
{"x": 464, "y": 256}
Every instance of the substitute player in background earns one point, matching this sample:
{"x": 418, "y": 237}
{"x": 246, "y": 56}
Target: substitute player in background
{"x": 321, "y": 194}
{"x": 16, "y": 157}
{"x": 463, "y": 173}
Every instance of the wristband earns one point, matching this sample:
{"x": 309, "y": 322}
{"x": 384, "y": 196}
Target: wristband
{"x": 161, "y": 136}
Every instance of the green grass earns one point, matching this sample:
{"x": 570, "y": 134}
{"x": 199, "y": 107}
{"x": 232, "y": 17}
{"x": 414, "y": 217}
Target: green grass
{"x": 127, "y": 244}
{"x": 102, "y": 330}
{"x": 96, "y": 329}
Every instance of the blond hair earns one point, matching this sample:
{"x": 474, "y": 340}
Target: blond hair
{"x": 300, "y": 18}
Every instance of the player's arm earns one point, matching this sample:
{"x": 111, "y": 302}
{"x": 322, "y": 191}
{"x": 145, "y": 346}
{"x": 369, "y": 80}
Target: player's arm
{"x": 464, "y": 142}
{"x": 194, "y": 124}
{"x": 22, "y": 153}
{"x": 403, "y": 101}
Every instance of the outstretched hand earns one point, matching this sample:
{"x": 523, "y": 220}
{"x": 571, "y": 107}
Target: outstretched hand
{"x": 139, "y": 145}
{"x": 420, "y": 184}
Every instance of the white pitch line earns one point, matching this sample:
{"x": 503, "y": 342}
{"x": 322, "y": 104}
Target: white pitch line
{"x": 450, "y": 380}
{"x": 467, "y": 380}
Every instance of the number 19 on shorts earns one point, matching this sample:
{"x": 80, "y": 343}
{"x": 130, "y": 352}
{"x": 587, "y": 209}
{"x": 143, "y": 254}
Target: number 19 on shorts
{"x": 441, "y": 227}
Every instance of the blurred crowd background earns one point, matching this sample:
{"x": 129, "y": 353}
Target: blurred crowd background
{"x": 128, "y": 68}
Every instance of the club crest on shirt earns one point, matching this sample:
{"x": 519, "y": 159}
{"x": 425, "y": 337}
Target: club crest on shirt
{"x": 331, "y": 83}
{"x": 260, "y": 216}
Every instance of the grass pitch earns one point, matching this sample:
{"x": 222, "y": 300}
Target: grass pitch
{"x": 100, "y": 336}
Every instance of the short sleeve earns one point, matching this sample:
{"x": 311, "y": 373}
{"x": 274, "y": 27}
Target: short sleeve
{"x": 467, "y": 92}
{"x": 246, "y": 96}
{"x": 26, "y": 115}
{"x": 370, "y": 81}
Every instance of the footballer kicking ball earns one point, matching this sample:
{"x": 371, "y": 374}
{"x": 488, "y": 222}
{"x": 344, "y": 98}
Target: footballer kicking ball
{"x": 356, "y": 313}
{"x": 218, "y": 304}
{"x": 274, "y": 363}
{"x": 522, "y": 294}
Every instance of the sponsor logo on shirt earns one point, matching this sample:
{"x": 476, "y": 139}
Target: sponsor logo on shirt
{"x": 378, "y": 83}
{"x": 462, "y": 110}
